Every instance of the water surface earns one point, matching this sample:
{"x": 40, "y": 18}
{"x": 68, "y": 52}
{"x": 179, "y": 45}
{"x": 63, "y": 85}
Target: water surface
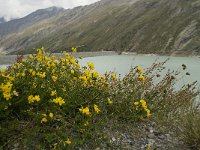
{"x": 121, "y": 64}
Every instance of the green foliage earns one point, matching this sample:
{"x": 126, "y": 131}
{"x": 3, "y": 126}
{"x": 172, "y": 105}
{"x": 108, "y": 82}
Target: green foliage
{"x": 190, "y": 129}
{"x": 53, "y": 103}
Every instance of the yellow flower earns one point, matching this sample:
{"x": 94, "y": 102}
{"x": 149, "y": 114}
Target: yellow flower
{"x": 73, "y": 61}
{"x": 44, "y": 115}
{"x": 30, "y": 70}
{"x": 6, "y": 89}
{"x": 53, "y": 71}
{"x": 53, "y": 93}
{"x": 3, "y": 70}
{"x": 114, "y": 76}
{"x": 24, "y": 60}
{"x": 67, "y": 55}
{"x": 31, "y": 56}
{"x": 109, "y": 101}
{"x": 95, "y": 74}
{"x": 53, "y": 57}
{"x": 83, "y": 78}
{"x": 96, "y": 109}
{"x": 141, "y": 77}
{"x": 33, "y": 73}
{"x": 37, "y": 98}
{"x": 78, "y": 66}
{"x": 41, "y": 74}
{"x": 32, "y": 99}
{"x": 51, "y": 115}
{"x": 72, "y": 71}
{"x": 139, "y": 69}
{"x": 136, "y": 103}
{"x": 68, "y": 142}
{"x": 74, "y": 50}
{"x": 7, "y": 96}
{"x": 86, "y": 72}
{"x": 23, "y": 74}
{"x": 59, "y": 101}
{"x": 144, "y": 103}
{"x": 54, "y": 78}
{"x": 91, "y": 65}
{"x": 44, "y": 120}
{"x": 85, "y": 111}
{"x": 148, "y": 113}
{"x": 47, "y": 59}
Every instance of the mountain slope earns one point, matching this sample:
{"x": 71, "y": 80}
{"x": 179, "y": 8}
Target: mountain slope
{"x": 144, "y": 26}
{"x": 19, "y": 24}
{"x": 2, "y": 20}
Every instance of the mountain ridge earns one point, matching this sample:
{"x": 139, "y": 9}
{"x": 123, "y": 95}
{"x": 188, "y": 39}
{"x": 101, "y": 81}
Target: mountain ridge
{"x": 16, "y": 25}
{"x": 2, "y": 20}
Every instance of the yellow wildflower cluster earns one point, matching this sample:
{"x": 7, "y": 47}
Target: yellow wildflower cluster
{"x": 6, "y": 89}
{"x": 142, "y": 104}
{"x": 54, "y": 78}
{"x": 139, "y": 69}
{"x": 53, "y": 93}
{"x": 68, "y": 141}
{"x": 53, "y": 81}
{"x": 9, "y": 77}
{"x": 85, "y": 111}
{"x": 114, "y": 76}
{"x": 91, "y": 65}
{"x": 109, "y": 101}
{"x": 140, "y": 77}
{"x": 44, "y": 119}
{"x": 41, "y": 74}
{"x": 32, "y": 99}
{"x": 90, "y": 77}
{"x": 96, "y": 109}
{"x": 74, "y": 50}
{"x": 60, "y": 101}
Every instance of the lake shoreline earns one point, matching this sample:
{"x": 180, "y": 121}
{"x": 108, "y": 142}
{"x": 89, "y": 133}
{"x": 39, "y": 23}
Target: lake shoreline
{"x": 10, "y": 59}
{"x": 170, "y": 55}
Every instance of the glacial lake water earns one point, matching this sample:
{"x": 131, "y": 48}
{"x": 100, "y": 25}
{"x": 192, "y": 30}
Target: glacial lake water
{"x": 121, "y": 64}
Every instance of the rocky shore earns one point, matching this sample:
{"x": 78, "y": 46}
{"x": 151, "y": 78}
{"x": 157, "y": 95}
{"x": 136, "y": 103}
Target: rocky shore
{"x": 145, "y": 136}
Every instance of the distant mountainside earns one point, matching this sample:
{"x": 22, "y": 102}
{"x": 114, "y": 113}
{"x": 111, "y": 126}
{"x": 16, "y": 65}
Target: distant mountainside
{"x": 2, "y": 20}
{"x": 22, "y": 23}
{"x": 143, "y": 26}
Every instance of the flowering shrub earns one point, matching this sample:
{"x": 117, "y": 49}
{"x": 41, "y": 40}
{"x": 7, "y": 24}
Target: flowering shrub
{"x": 51, "y": 102}
{"x": 55, "y": 100}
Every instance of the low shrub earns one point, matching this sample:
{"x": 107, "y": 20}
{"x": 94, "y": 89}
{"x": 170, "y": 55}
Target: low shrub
{"x": 49, "y": 102}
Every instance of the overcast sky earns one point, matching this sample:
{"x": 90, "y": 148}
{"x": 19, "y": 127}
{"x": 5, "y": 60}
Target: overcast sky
{"x": 19, "y": 8}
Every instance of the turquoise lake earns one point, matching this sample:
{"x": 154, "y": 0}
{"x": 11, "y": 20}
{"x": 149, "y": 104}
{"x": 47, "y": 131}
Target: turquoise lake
{"x": 121, "y": 64}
